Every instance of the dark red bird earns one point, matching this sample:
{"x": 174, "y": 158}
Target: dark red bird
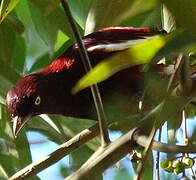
{"x": 49, "y": 90}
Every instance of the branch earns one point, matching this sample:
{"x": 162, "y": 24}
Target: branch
{"x": 147, "y": 149}
{"x": 61, "y": 152}
{"x": 104, "y": 157}
{"x": 87, "y": 135}
{"x": 87, "y": 65}
{"x": 162, "y": 147}
{"x": 109, "y": 155}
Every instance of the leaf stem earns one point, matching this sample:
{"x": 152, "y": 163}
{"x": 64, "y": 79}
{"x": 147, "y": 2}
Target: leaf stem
{"x": 87, "y": 65}
{"x": 146, "y": 152}
{"x": 158, "y": 156}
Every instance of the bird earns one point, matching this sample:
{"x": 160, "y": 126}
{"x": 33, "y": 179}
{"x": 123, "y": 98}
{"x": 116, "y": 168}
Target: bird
{"x": 48, "y": 91}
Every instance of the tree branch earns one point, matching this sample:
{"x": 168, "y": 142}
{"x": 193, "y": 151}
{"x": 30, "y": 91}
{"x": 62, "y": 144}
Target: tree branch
{"x": 104, "y": 157}
{"x": 87, "y": 135}
{"x": 147, "y": 149}
{"x": 109, "y": 155}
{"x": 61, "y": 152}
{"x": 162, "y": 147}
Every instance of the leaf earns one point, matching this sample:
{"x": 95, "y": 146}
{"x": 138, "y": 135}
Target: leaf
{"x": 8, "y": 78}
{"x": 152, "y": 50}
{"x": 184, "y": 14}
{"x": 176, "y": 43}
{"x": 68, "y": 128}
{"x": 43, "y": 26}
{"x": 7, "y": 41}
{"x": 45, "y": 60}
{"x": 12, "y": 45}
{"x": 148, "y": 170}
{"x": 61, "y": 39}
{"x": 168, "y": 20}
{"x": 121, "y": 60}
{"x": 19, "y": 55}
{"x": 48, "y": 24}
{"x": 18, "y": 149}
{"x": 79, "y": 9}
{"x": 6, "y": 7}
{"x": 34, "y": 45}
{"x": 6, "y": 162}
{"x": 105, "y": 13}
{"x": 15, "y": 23}
{"x": 77, "y": 160}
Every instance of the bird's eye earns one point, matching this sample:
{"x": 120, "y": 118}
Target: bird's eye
{"x": 37, "y": 100}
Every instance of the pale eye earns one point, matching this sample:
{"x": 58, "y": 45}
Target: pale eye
{"x": 37, "y": 100}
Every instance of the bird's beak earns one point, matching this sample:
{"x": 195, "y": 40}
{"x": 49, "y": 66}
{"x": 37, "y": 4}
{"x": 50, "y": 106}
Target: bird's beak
{"x": 18, "y": 123}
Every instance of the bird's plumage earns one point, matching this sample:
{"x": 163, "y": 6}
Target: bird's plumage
{"x": 51, "y": 87}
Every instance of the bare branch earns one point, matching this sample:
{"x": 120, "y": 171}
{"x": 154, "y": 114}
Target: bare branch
{"x": 122, "y": 145}
{"x": 162, "y": 147}
{"x": 61, "y": 152}
{"x": 185, "y": 76}
{"x": 147, "y": 149}
{"x": 105, "y": 157}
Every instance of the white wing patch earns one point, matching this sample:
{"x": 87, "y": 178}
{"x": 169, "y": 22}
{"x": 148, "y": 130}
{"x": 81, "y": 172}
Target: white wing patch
{"x": 116, "y": 46}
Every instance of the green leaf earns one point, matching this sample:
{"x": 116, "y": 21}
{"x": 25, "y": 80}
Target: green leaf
{"x": 149, "y": 50}
{"x": 148, "y": 170}
{"x": 80, "y": 10}
{"x": 105, "y": 13}
{"x": 121, "y": 60}
{"x": 6, "y": 163}
{"x": 6, "y": 7}
{"x": 15, "y": 23}
{"x": 48, "y": 23}
{"x": 68, "y": 128}
{"x": 34, "y": 45}
{"x": 43, "y": 26}
{"x": 45, "y": 60}
{"x": 79, "y": 157}
{"x": 180, "y": 41}
{"x": 18, "y": 149}
{"x": 61, "y": 39}
{"x": 8, "y": 78}
{"x": 19, "y": 55}
{"x": 7, "y": 41}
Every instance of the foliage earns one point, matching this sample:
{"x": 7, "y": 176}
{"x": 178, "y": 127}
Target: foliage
{"x": 33, "y": 33}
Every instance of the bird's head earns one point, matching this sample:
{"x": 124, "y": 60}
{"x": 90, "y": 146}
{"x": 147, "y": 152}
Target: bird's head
{"x": 24, "y": 101}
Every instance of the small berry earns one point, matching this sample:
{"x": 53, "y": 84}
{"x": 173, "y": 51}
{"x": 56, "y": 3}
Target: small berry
{"x": 188, "y": 162}
{"x": 167, "y": 165}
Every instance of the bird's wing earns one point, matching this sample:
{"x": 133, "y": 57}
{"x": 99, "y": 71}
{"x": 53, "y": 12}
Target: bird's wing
{"x": 116, "y": 38}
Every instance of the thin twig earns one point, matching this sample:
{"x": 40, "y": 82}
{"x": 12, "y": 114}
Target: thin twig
{"x": 185, "y": 76}
{"x": 145, "y": 156}
{"x": 87, "y": 65}
{"x": 158, "y": 156}
{"x": 163, "y": 147}
{"x": 174, "y": 76}
{"x": 186, "y": 140}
